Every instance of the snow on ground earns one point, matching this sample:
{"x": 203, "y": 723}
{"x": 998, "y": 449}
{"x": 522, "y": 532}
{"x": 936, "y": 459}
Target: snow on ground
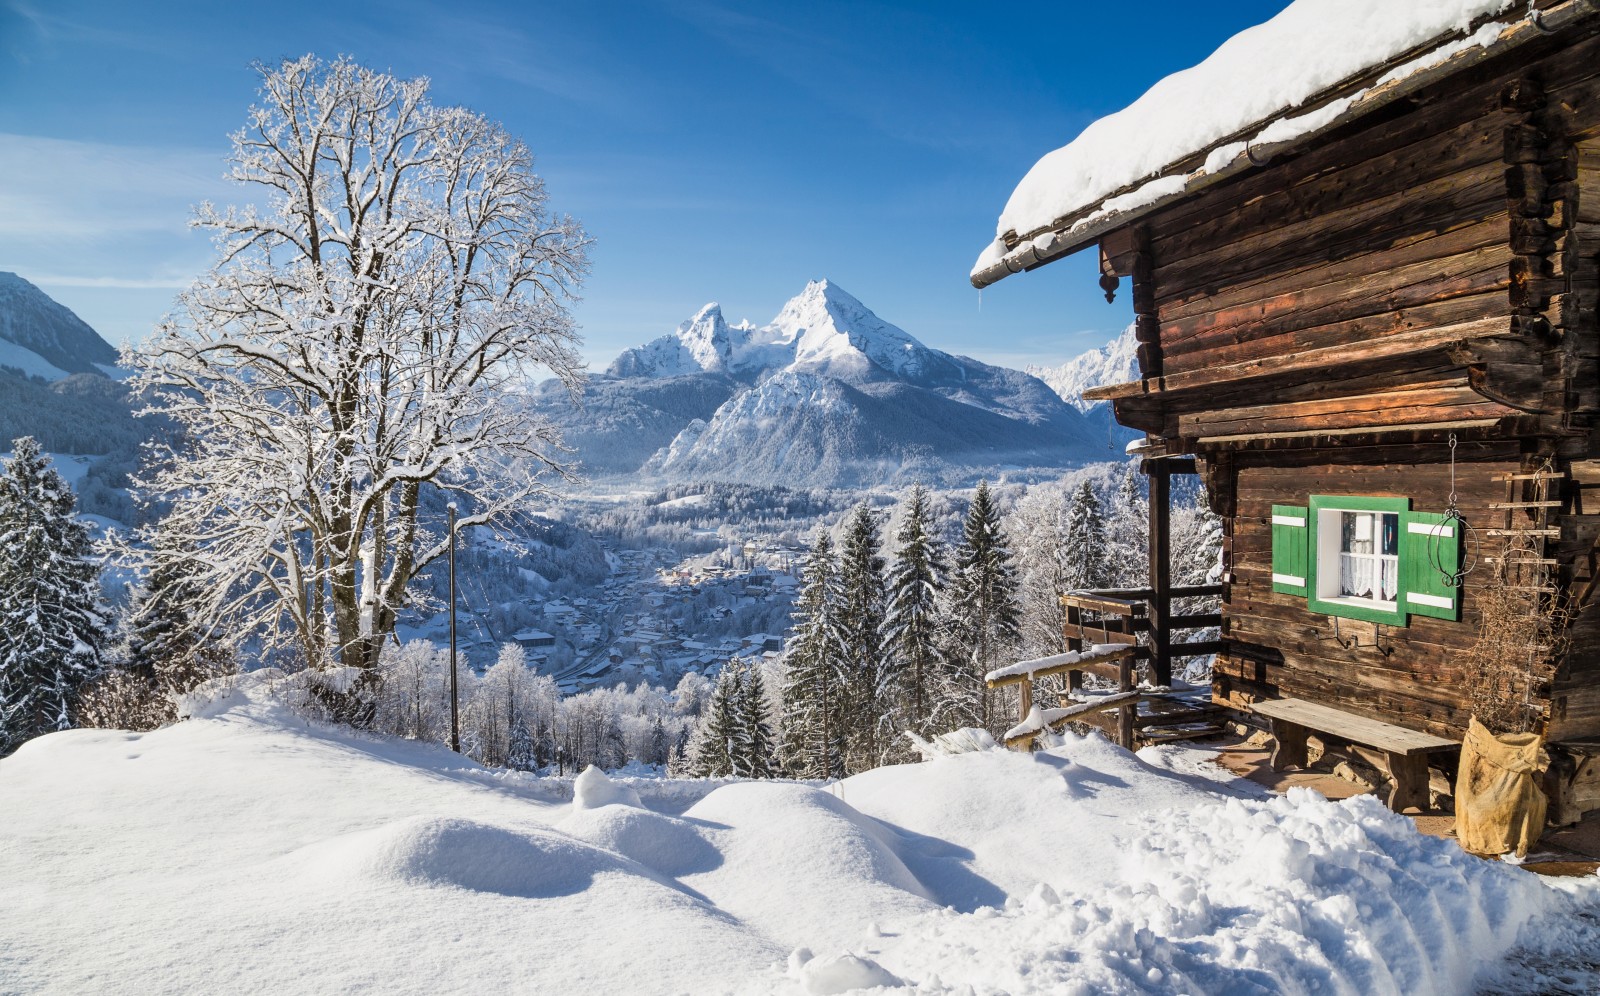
{"x": 247, "y": 850}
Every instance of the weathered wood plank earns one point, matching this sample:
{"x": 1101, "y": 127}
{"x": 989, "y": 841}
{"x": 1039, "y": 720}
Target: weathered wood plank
{"x": 1350, "y": 726}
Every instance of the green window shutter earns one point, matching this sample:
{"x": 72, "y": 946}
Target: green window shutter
{"x": 1430, "y": 548}
{"x": 1291, "y": 542}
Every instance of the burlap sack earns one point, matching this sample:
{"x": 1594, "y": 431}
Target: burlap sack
{"x": 1499, "y": 805}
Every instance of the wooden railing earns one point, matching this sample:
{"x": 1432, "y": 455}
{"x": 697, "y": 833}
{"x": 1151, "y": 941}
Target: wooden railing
{"x": 1110, "y": 662}
{"x": 1122, "y": 614}
{"x": 1103, "y": 632}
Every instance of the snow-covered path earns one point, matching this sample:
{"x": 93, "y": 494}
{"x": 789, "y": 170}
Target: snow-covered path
{"x": 249, "y": 852}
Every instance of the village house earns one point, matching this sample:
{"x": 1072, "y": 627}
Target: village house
{"x": 1364, "y": 290}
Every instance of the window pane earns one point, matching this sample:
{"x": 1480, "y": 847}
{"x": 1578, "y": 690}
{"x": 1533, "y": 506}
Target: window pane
{"x": 1391, "y": 535}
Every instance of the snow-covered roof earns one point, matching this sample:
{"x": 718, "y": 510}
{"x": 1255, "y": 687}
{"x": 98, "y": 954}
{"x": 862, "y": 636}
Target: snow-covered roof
{"x": 1317, "y": 65}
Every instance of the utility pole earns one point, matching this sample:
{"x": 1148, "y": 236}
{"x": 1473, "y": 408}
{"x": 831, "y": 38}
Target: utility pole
{"x": 455, "y": 717}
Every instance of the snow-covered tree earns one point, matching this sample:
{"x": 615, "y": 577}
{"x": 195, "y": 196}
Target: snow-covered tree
{"x": 982, "y": 605}
{"x": 503, "y": 702}
{"x": 50, "y": 626}
{"x": 814, "y": 681}
{"x": 863, "y": 593}
{"x": 1128, "y": 533}
{"x": 719, "y": 744}
{"x": 911, "y": 626}
{"x": 1084, "y": 543}
{"x": 358, "y": 346}
{"x": 659, "y": 751}
{"x": 755, "y": 759}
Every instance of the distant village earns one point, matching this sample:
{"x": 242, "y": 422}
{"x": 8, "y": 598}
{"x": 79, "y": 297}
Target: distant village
{"x": 649, "y": 621}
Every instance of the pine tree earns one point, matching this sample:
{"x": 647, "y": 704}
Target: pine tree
{"x": 658, "y": 754}
{"x": 756, "y": 732}
{"x": 983, "y": 607}
{"x": 720, "y": 730}
{"x": 861, "y": 619}
{"x": 50, "y": 630}
{"x": 911, "y": 624}
{"x": 1086, "y": 564}
{"x": 523, "y": 754}
{"x": 813, "y": 734}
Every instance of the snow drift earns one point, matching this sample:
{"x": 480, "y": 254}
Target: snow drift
{"x": 247, "y": 850}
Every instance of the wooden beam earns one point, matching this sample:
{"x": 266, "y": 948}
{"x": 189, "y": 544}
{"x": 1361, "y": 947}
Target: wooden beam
{"x": 1340, "y": 357}
{"x": 1160, "y": 503}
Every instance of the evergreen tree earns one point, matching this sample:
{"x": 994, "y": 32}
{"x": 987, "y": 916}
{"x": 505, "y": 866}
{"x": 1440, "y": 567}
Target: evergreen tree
{"x": 756, "y": 732}
{"x": 658, "y": 751}
{"x": 813, "y": 733}
{"x": 861, "y": 619}
{"x": 680, "y": 764}
{"x": 983, "y": 608}
{"x": 1086, "y": 563}
{"x": 524, "y": 751}
{"x": 911, "y": 625}
{"x": 50, "y": 631}
{"x": 720, "y": 728}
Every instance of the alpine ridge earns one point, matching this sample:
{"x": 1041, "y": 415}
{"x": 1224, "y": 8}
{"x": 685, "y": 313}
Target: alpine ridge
{"x": 826, "y": 394}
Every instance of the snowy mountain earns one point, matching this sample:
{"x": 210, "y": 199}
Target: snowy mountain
{"x": 44, "y": 339}
{"x": 703, "y": 344}
{"x": 825, "y": 394}
{"x": 1117, "y": 362}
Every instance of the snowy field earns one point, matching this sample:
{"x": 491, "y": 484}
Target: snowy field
{"x": 248, "y": 851}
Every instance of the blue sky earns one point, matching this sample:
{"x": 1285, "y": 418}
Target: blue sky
{"x": 716, "y": 151}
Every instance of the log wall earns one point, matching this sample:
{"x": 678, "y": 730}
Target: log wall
{"x": 1324, "y": 325}
{"x": 1279, "y": 647}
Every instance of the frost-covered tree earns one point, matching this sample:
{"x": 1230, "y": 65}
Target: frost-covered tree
{"x": 50, "y": 626}
{"x": 983, "y": 609}
{"x": 358, "y": 344}
{"x": 911, "y": 626}
{"x": 863, "y": 592}
{"x": 504, "y": 702}
{"x": 814, "y": 680}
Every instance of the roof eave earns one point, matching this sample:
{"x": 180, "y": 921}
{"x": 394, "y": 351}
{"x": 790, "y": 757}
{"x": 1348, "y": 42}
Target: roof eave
{"x": 1073, "y": 234}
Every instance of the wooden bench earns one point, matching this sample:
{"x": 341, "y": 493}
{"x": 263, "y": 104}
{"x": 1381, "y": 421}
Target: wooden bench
{"x": 1404, "y": 751}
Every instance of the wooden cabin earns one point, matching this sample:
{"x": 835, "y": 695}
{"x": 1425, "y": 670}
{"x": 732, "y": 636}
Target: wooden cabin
{"x": 1368, "y": 320}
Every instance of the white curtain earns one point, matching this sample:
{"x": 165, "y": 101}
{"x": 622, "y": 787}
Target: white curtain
{"x": 1358, "y": 573}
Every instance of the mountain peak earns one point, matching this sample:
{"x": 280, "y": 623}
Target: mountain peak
{"x": 1114, "y": 363}
{"x": 40, "y": 335}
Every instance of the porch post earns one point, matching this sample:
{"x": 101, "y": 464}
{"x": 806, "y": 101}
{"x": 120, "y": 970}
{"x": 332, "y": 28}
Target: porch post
{"x": 1160, "y": 476}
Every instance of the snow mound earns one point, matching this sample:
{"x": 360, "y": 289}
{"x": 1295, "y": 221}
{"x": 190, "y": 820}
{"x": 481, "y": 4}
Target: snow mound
{"x": 801, "y": 865}
{"x": 449, "y": 851}
{"x": 664, "y": 844}
{"x": 1294, "y": 895}
{"x": 845, "y": 973}
{"x": 592, "y": 789}
{"x": 962, "y": 741}
{"x": 219, "y": 696}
